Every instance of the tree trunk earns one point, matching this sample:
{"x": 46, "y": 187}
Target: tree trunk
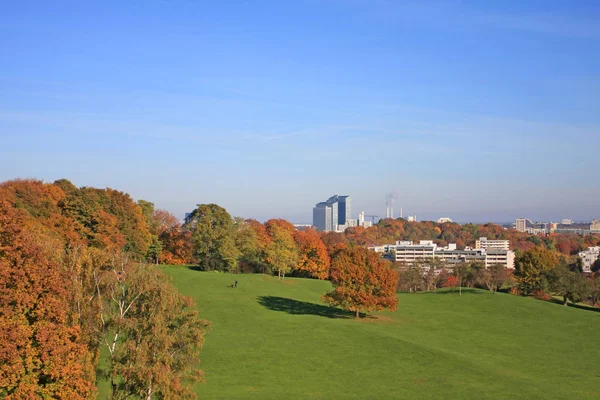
{"x": 114, "y": 387}
{"x": 460, "y": 289}
{"x": 357, "y": 314}
{"x": 564, "y": 300}
{"x": 278, "y": 274}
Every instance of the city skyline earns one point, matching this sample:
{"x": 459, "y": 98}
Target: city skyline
{"x": 479, "y": 111}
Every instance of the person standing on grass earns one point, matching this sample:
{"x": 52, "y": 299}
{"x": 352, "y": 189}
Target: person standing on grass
{"x": 235, "y": 283}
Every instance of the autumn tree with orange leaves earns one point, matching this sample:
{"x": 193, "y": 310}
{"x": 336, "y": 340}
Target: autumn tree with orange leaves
{"x": 313, "y": 259}
{"x": 71, "y": 281}
{"x": 362, "y": 281}
{"x": 43, "y": 353}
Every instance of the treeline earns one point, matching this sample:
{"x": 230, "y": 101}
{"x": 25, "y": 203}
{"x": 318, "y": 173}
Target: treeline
{"x": 223, "y": 243}
{"x": 71, "y": 282}
{"x": 542, "y": 273}
{"x": 433, "y": 273}
{"x": 387, "y": 231}
{"x": 538, "y": 272}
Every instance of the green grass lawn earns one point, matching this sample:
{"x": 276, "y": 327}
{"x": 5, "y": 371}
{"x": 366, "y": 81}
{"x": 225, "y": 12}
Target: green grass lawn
{"x": 276, "y": 340}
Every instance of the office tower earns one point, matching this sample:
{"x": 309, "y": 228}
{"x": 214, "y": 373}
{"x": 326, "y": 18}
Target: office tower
{"x": 322, "y": 217}
{"x": 330, "y": 214}
{"x": 344, "y": 210}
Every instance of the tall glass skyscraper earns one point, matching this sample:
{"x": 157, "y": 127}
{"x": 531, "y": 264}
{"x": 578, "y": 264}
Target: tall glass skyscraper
{"x": 328, "y": 215}
{"x": 344, "y": 210}
{"x": 322, "y": 217}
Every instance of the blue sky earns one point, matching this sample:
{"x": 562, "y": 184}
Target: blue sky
{"x": 477, "y": 110}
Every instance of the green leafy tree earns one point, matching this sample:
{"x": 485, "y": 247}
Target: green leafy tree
{"x": 532, "y": 267}
{"x": 213, "y": 235}
{"x": 246, "y": 241}
{"x": 148, "y": 212}
{"x": 154, "y": 250}
{"x": 152, "y": 333}
{"x": 596, "y": 266}
{"x": 568, "y": 284}
{"x": 474, "y": 273}
{"x": 282, "y": 252}
{"x": 594, "y": 283}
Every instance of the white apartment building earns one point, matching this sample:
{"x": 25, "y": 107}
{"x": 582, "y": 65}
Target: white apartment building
{"x": 521, "y": 224}
{"x": 485, "y": 243}
{"x": 500, "y": 256}
{"x": 443, "y": 220}
{"x": 409, "y": 252}
{"x": 589, "y": 257}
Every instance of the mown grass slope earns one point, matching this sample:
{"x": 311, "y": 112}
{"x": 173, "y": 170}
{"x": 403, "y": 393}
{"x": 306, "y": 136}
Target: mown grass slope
{"x": 276, "y": 340}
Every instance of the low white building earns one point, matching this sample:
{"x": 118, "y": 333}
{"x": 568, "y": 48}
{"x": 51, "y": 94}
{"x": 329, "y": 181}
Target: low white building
{"x": 485, "y": 243}
{"x": 409, "y": 252}
{"x": 589, "y": 257}
{"x": 500, "y": 256}
{"x": 443, "y": 220}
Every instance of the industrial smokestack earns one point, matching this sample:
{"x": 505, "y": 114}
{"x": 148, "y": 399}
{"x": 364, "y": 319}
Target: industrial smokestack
{"x": 390, "y": 200}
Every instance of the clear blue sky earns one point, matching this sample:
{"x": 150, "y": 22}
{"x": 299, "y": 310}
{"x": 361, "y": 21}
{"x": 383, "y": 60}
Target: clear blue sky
{"x": 477, "y": 110}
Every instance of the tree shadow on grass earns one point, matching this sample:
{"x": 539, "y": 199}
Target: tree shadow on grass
{"x": 296, "y": 307}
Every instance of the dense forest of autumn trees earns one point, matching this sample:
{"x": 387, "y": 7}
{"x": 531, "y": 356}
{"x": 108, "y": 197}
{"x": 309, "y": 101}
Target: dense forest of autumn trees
{"x": 74, "y": 278}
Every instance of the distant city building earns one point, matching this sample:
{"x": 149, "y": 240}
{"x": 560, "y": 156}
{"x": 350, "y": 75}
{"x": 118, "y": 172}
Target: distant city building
{"x": 443, "y": 220}
{"x": 533, "y": 228}
{"x": 408, "y": 252}
{"x": 498, "y": 256}
{"x": 333, "y": 214}
{"x": 566, "y": 226}
{"x": 412, "y": 218}
{"x": 302, "y": 226}
{"x": 344, "y": 210}
{"x": 361, "y": 220}
{"x": 484, "y": 243}
{"x": 537, "y": 228}
{"x": 521, "y": 224}
{"x": 322, "y": 217}
{"x": 573, "y": 227}
{"x": 589, "y": 257}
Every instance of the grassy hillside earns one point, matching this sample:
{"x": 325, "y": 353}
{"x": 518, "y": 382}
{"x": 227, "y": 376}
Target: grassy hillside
{"x": 275, "y": 340}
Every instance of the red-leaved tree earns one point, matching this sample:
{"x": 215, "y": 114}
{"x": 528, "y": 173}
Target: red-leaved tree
{"x": 451, "y": 282}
